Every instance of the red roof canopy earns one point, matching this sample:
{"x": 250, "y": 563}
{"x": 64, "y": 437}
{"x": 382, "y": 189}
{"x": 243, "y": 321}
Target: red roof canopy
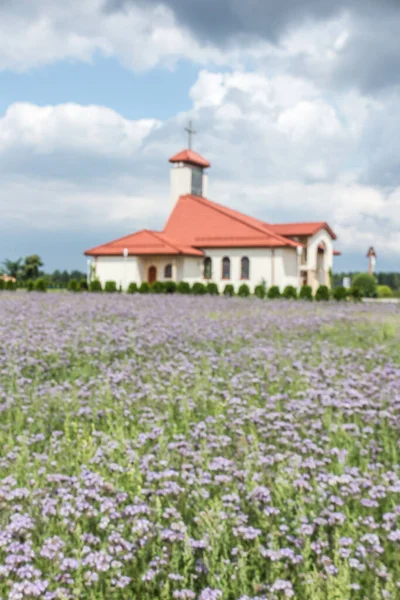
{"x": 143, "y": 242}
{"x": 294, "y": 229}
{"x": 190, "y": 157}
{"x": 204, "y": 224}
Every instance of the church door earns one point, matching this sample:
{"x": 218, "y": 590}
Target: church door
{"x": 152, "y": 274}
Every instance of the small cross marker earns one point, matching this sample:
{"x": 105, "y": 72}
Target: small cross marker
{"x": 191, "y": 133}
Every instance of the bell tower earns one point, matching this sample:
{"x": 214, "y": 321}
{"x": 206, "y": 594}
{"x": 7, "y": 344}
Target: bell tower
{"x": 188, "y": 173}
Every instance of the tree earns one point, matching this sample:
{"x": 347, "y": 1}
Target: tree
{"x": 367, "y": 285}
{"x": 13, "y": 267}
{"x": 31, "y": 267}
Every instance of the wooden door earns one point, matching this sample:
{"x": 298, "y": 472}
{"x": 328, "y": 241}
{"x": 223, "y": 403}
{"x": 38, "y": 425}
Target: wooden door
{"x": 152, "y": 274}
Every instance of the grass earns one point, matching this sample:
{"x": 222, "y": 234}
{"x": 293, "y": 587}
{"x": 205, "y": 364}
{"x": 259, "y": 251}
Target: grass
{"x": 198, "y": 448}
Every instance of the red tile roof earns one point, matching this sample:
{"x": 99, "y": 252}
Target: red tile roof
{"x": 143, "y": 242}
{"x": 300, "y": 229}
{"x": 204, "y": 224}
{"x": 198, "y": 223}
{"x": 191, "y": 157}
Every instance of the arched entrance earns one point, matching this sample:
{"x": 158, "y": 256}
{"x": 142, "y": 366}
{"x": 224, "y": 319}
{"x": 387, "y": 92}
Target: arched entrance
{"x": 152, "y": 274}
{"x": 321, "y": 267}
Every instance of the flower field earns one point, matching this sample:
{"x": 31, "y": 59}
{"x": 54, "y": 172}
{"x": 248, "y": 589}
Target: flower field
{"x": 161, "y": 447}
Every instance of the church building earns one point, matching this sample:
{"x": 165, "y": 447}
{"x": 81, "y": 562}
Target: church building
{"x": 207, "y": 242}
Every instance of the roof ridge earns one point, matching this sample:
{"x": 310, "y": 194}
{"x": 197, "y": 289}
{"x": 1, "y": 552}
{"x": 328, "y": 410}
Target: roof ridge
{"x": 220, "y": 208}
{"x": 154, "y": 233}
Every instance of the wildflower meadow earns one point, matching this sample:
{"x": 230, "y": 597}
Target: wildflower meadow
{"x": 198, "y": 448}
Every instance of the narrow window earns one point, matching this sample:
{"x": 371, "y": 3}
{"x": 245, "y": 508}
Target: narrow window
{"x": 168, "y": 271}
{"x": 226, "y": 268}
{"x": 245, "y": 268}
{"x": 207, "y": 268}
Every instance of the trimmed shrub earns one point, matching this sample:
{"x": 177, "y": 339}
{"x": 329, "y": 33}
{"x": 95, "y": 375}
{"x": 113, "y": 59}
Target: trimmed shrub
{"x": 356, "y": 293}
{"x": 340, "y": 293}
{"x": 157, "y": 287}
{"x": 110, "y": 287}
{"x": 229, "y": 290}
{"x": 144, "y": 288}
{"x": 40, "y": 285}
{"x": 322, "y": 293}
{"x": 290, "y": 293}
{"x": 169, "y": 287}
{"x": 367, "y": 285}
{"x": 183, "y": 287}
{"x": 198, "y": 289}
{"x": 212, "y": 289}
{"x": 274, "y": 292}
{"x": 95, "y": 286}
{"x": 83, "y": 286}
{"x": 11, "y": 286}
{"x": 260, "y": 291}
{"x": 384, "y": 291}
{"x": 30, "y": 286}
{"x": 133, "y": 288}
{"x": 306, "y": 292}
{"x": 73, "y": 286}
{"x": 2, "y": 284}
{"x": 244, "y": 291}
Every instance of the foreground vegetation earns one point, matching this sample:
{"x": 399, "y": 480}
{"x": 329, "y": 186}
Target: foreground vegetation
{"x": 154, "y": 447}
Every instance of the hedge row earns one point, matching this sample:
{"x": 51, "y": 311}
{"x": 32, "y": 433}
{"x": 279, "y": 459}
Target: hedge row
{"x": 290, "y": 292}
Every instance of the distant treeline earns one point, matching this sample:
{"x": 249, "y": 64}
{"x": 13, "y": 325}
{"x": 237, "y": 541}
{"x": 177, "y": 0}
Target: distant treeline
{"x": 392, "y": 280}
{"x": 30, "y": 268}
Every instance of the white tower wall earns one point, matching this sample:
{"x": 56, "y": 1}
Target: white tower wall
{"x": 181, "y": 182}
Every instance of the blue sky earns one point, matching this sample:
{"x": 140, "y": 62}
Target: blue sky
{"x": 298, "y": 116}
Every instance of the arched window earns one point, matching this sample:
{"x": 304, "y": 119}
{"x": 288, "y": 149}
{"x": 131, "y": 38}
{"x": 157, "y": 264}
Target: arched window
{"x": 168, "y": 271}
{"x": 245, "y": 268}
{"x": 207, "y": 268}
{"x": 226, "y": 268}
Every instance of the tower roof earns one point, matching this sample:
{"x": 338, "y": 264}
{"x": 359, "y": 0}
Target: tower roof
{"x": 190, "y": 157}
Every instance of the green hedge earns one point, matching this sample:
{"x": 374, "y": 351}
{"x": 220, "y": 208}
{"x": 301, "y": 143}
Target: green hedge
{"x": 73, "y": 286}
{"x": 244, "y": 291}
{"x": 229, "y": 290}
{"x": 170, "y": 287}
{"x": 290, "y": 293}
{"x": 306, "y": 292}
{"x": 110, "y": 287}
{"x": 198, "y": 289}
{"x": 183, "y": 287}
{"x": 40, "y": 285}
{"x": 322, "y": 293}
{"x": 339, "y": 293}
{"x": 95, "y": 286}
{"x": 384, "y": 291}
{"x": 274, "y": 292}
{"x": 132, "y": 288}
{"x": 212, "y": 289}
{"x": 157, "y": 287}
{"x": 260, "y": 291}
{"x": 144, "y": 288}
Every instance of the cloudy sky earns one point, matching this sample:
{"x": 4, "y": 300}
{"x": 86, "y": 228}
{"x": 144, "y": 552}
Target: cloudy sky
{"x": 296, "y": 104}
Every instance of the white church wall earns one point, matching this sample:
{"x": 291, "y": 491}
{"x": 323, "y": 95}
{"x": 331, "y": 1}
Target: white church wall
{"x": 191, "y": 269}
{"x": 260, "y": 266}
{"x": 287, "y": 272}
{"x": 114, "y": 268}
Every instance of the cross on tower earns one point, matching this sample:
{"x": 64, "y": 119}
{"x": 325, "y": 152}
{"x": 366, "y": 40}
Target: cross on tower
{"x": 191, "y": 133}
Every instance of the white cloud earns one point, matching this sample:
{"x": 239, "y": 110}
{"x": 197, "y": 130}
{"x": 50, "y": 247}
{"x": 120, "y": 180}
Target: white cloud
{"x": 280, "y": 149}
{"x": 94, "y": 129}
{"x": 76, "y": 30}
